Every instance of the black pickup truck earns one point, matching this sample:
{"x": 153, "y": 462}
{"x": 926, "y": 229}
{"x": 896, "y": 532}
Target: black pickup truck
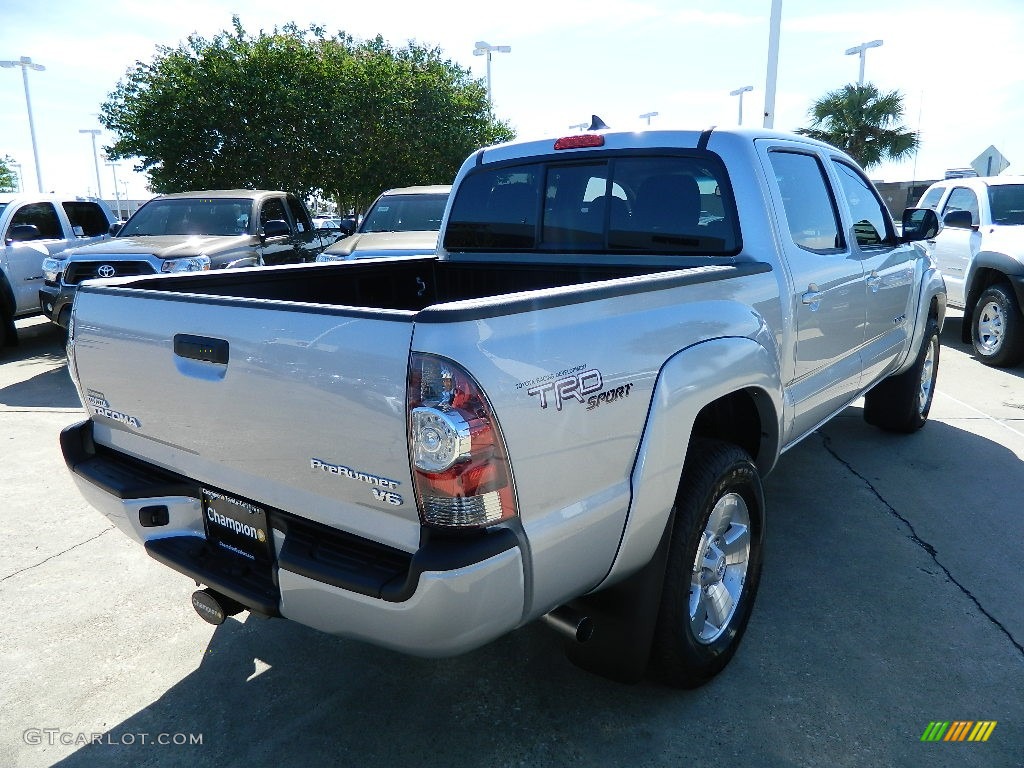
{"x": 189, "y": 232}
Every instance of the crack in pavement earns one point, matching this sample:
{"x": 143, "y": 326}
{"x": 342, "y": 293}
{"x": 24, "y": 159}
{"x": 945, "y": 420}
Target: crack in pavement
{"x": 827, "y": 441}
{"x": 58, "y": 554}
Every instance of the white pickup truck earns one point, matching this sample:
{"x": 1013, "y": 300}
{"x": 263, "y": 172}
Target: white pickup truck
{"x": 565, "y": 413}
{"x": 980, "y": 252}
{"x": 35, "y": 227}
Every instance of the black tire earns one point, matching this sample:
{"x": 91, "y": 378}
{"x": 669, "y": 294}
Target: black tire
{"x": 718, "y": 478}
{"x": 996, "y": 327}
{"x": 902, "y": 403}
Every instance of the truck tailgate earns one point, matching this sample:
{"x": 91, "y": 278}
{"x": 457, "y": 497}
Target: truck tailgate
{"x": 212, "y": 389}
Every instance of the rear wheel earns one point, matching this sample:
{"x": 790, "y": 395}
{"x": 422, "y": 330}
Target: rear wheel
{"x": 902, "y": 403}
{"x": 996, "y": 327}
{"x": 714, "y": 564}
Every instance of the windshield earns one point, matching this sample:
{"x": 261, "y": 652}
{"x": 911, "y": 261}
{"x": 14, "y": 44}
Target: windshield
{"x": 1007, "y": 203}
{"x": 190, "y": 216}
{"x": 406, "y": 213}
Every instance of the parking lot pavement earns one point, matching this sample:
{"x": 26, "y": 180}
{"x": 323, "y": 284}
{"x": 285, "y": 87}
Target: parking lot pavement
{"x": 891, "y": 598}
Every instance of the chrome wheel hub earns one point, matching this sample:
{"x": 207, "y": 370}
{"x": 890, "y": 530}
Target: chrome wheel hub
{"x": 720, "y": 568}
{"x": 990, "y": 328}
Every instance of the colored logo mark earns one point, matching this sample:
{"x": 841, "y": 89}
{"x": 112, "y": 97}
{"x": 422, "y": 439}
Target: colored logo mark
{"x": 958, "y": 730}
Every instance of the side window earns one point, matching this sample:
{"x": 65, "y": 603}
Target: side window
{"x": 299, "y": 213}
{"x": 930, "y": 199}
{"x": 43, "y": 216}
{"x": 273, "y": 209}
{"x": 807, "y": 199}
{"x": 86, "y": 216}
{"x": 962, "y": 199}
{"x": 871, "y": 223}
{"x": 1007, "y": 203}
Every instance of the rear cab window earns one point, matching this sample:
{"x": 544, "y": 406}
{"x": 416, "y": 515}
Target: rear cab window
{"x": 621, "y": 204}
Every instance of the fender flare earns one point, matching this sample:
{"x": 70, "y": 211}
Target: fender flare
{"x": 933, "y": 288}
{"x": 688, "y": 382}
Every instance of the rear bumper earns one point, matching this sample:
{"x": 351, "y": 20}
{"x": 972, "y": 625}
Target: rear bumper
{"x": 452, "y": 595}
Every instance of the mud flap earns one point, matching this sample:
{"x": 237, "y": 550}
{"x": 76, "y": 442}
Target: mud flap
{"x": 624, "y": 618}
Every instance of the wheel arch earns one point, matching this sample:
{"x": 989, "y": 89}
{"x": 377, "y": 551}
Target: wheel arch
{"x": 989, "y": 268}
{"x": 726, "y": 389}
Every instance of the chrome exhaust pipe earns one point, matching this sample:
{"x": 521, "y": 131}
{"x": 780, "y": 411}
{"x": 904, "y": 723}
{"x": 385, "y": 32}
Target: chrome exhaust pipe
{"x": 570, "y": 623}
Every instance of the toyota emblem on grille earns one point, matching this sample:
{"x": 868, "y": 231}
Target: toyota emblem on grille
{"x": 105, "y": 270}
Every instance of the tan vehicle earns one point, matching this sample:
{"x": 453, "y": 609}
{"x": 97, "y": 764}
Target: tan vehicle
{"x": 401, "y": 222}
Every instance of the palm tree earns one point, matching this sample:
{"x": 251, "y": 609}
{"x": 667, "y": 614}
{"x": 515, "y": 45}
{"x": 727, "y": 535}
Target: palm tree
{"x": 864, "y": 123}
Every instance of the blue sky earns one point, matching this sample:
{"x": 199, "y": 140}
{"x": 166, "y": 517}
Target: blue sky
{"x": 960, "y": 67}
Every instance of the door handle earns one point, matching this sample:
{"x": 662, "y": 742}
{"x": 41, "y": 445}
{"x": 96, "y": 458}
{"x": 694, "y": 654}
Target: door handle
{"x": 201, "y": 348}
{"x": 874, "y": 281}
{"x": 811, "y": 297}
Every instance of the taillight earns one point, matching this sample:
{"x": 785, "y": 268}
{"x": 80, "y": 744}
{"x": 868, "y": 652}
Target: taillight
{"x": 461, "y": 471}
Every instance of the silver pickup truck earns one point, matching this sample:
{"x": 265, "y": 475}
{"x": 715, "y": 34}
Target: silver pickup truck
{"x": 565, "y": 413}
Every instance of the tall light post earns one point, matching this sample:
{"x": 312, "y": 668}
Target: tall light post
{"x": 117, "y": 193}
{"x": 94, "y": 132}
{"x": 483, "y": 48}
{"x": 648, "y": 116}
{"x": 772, "y": 73}
{"x": 26, "y": 64}
{"x": 860, "y": 50}
{"x": 739, "y": 92}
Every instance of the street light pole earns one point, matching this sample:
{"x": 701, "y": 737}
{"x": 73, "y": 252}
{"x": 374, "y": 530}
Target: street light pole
{"x": 26, "y": 64}
{"x": 861, "y": 49}
{"x": 739, "y": 92}
{"x": 772, "y": 74}
{"x": 94, "y": 132}
{"x": 484, "y": 48}
{"x": 648, "y": 116}
{"x": 117, "y": 193}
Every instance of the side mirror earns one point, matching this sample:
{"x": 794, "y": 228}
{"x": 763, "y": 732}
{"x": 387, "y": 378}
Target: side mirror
{"x": 19, "y": 233}
{"x": 115, "y": 228}
{"x": 920, "y": 224}
{"x": 276, "y": 228}
{"x": 958, "y": 220}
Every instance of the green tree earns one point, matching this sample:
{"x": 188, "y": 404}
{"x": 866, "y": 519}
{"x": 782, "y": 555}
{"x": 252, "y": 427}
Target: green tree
{"x": 299, "y": 110}
{"x": 864, "y": 123}
{"x": 8, "y": 178}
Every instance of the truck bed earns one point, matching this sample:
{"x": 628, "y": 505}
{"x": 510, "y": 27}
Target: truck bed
{"x": 413, "y": 284}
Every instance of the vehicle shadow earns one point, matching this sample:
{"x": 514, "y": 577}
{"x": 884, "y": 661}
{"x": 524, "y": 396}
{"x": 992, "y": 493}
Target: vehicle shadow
{"x": 834, "y": 651}
{"x": 40, "y": 345}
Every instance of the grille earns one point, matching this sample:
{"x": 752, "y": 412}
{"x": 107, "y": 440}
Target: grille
{"x": 78, "y": 271}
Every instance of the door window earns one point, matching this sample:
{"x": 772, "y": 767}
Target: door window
{"x": 273, "y": 210}
{"x": 962, "y": 199}
{"x": 871, "y": 223}
{"x": 43, "y": 216}
{"x": 299, "y": 213}
{"x": 88, "y": 216}
{"x": 807, "y": 199}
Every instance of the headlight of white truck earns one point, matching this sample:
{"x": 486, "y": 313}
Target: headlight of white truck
{"x": 190, "y": 264}
{"x": 53, "y": 268}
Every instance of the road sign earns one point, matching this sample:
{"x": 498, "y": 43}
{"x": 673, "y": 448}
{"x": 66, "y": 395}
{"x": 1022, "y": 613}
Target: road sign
{"x": 990, "y": 163}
